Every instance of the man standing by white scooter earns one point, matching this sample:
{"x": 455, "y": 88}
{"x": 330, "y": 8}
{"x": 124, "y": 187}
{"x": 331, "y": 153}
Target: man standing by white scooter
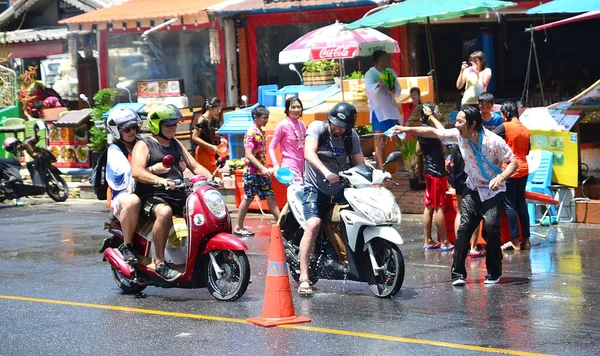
{"x": 321, "y": 189}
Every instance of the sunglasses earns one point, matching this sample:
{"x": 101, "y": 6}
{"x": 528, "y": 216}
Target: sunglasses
{"x": 170, "y": 123}
{"x": 129, "y": 128}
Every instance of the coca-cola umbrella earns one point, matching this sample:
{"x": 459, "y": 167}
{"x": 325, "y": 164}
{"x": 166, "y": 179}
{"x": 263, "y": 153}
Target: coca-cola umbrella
{"x": 330, "y": 42}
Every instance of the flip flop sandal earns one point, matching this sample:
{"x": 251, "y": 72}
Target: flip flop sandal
{"x": 243, "y": 233}
{"x": 510, "y": 247}
{"x": 446, "y": 249}
{"x": 304, "y": 289}
{"x": 432, "y": 247}
{"x": 476, "y": 254}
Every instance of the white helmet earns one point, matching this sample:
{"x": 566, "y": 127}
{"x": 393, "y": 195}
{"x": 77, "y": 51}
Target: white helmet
{"x": 120, "y": 118}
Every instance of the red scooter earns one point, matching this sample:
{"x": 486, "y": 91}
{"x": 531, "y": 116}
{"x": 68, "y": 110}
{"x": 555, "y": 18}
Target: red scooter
{"x": 210, "y": 256}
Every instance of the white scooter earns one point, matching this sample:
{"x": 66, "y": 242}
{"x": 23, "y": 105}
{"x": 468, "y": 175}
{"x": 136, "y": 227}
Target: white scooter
{"x": 358, "y": 241}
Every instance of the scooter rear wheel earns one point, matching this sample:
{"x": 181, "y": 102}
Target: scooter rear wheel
{"x": 57, "y": 189}
{"x": 234, "y": 281}
{"x": 127, "y": 285}
{"x": 388, "y": 281}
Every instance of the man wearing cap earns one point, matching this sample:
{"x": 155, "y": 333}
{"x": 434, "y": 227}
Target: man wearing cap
{"x": 321, "y": 180}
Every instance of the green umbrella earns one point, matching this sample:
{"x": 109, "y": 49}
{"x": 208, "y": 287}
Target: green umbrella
{"x": 410, "y": 11}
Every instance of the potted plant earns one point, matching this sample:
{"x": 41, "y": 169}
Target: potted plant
{"x": 367, "y": 141}
{"x": 319, "y": 72}
{"x": 103, "y": 101}
{"x": 355, "y": 75}
{"x": 235, "y": 165}
{"x": 408, "y": 148}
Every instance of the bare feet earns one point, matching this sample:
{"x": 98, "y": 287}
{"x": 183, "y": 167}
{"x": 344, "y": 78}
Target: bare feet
{"x": 525, "y": 245}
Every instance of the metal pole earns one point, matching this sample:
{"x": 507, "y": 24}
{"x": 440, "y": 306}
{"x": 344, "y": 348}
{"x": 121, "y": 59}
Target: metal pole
{"x": 342, "y": 77}
{"x": 432, "y": 60}
{"x": 537, "y": 65}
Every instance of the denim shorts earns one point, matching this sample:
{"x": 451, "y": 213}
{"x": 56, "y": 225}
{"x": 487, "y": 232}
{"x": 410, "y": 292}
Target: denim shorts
{"x": 256, "y": 184}
{"x": 315, "y": 203}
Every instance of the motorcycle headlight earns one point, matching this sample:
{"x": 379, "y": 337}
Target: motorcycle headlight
{"x": 395, "y": 214}
{"x": 215, "y": 203}
{"x": 372, "y": 207}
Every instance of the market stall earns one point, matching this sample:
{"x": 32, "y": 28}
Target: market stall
{"x": 68, "y": 139}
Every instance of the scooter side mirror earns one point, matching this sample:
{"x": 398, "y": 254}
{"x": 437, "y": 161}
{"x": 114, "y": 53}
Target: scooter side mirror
{"x": 326, "y": 156}
{"x": 168, "y": 161}
{"x": 221, "y": 161}
{"x": 39, "y": 126}
{"x": 393, "y": 157}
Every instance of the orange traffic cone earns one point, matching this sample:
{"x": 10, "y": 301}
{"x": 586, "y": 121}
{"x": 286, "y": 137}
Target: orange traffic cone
{"x": 278, "y": 307}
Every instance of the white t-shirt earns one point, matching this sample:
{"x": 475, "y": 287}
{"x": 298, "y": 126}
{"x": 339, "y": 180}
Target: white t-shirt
{"x": 380, "y": 100}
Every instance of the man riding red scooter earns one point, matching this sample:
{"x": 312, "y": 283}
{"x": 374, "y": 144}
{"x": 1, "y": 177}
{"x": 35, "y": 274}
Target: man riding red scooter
{"x": 199, "y": 249}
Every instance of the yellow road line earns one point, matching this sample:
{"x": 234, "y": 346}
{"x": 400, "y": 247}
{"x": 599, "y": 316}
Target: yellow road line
{"x": 296, "y": 327}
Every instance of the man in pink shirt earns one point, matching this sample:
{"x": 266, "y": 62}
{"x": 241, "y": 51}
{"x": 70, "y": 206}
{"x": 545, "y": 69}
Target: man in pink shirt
{"x": 483, "y": 152}
{"x": 289, "y": 136}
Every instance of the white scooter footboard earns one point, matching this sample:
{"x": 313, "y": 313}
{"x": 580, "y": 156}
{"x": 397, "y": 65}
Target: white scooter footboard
{"x": 384, "y": 232}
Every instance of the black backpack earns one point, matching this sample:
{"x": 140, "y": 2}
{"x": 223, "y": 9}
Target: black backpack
{"x": 98, "y": 177}
{"x": 347, "y": 141}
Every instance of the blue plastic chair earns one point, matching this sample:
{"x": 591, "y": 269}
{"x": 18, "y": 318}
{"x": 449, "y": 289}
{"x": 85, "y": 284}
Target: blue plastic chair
{"x": 267, "y": 100}
{"x": 538, "y": 182}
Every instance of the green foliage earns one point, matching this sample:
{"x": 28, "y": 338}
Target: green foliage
{"x": 355, "y": 75}
{"x": 235, "y": 164}
{"x": 408, "y": 148}
{"x": 320, "y": 66}
{"x": 364, "y": 130}
{"x": 103, "y": 100}
{"x": 97, "y": 139}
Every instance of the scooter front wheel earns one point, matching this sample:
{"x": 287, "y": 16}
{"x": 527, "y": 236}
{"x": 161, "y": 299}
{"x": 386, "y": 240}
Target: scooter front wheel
{"x": 56, "y": 187}
{"x": 388, "y": 280}
{"x": 232, "y": 280}
{"x": 127, "y": 286}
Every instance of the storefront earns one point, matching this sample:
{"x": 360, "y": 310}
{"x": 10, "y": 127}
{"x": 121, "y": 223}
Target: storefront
{"x": 133, "y": 46}
{"x": 268, "y": 34}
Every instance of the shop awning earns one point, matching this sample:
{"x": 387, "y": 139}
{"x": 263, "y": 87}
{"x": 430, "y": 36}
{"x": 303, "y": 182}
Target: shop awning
{"x": 21, "y": 7}
{"x": 35, "y": 35}
{"x": 587, "y": 16}
{"x": 232, "y": 7}
{"x": 73, "y": 118}
{"x": 141, "y": 12}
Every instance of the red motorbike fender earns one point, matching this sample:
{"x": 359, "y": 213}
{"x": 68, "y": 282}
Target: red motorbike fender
{"x": 225, "y": 241}
{"x": 115, "y": 259}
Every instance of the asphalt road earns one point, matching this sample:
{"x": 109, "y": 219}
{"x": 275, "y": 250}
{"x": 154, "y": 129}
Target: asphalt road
{"x": 57, "y": 297}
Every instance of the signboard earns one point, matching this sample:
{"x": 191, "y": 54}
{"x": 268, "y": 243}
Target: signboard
{"x": 69, "y": 145}
{"x": 160, "y": 88}
{"x": 554, "y": 117}
{"x": 565, "y": 148}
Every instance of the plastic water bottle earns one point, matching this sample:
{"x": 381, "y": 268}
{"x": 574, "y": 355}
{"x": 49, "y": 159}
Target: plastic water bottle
{"x": 390, "y": 133}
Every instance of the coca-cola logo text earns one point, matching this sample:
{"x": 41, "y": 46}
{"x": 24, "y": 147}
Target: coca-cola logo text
{"x": 334, "y": 52}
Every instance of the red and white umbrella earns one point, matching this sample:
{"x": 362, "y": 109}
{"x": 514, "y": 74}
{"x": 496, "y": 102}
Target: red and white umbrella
{"x": 330, "y": 42}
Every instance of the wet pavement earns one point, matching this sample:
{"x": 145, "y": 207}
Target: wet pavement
{"x": 57, "y": 297}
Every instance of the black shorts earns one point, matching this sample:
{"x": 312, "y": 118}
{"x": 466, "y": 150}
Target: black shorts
{"x": 150, "y": 203}
{"x": 459, "y": 186}
{"x": 315, "y": 203}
